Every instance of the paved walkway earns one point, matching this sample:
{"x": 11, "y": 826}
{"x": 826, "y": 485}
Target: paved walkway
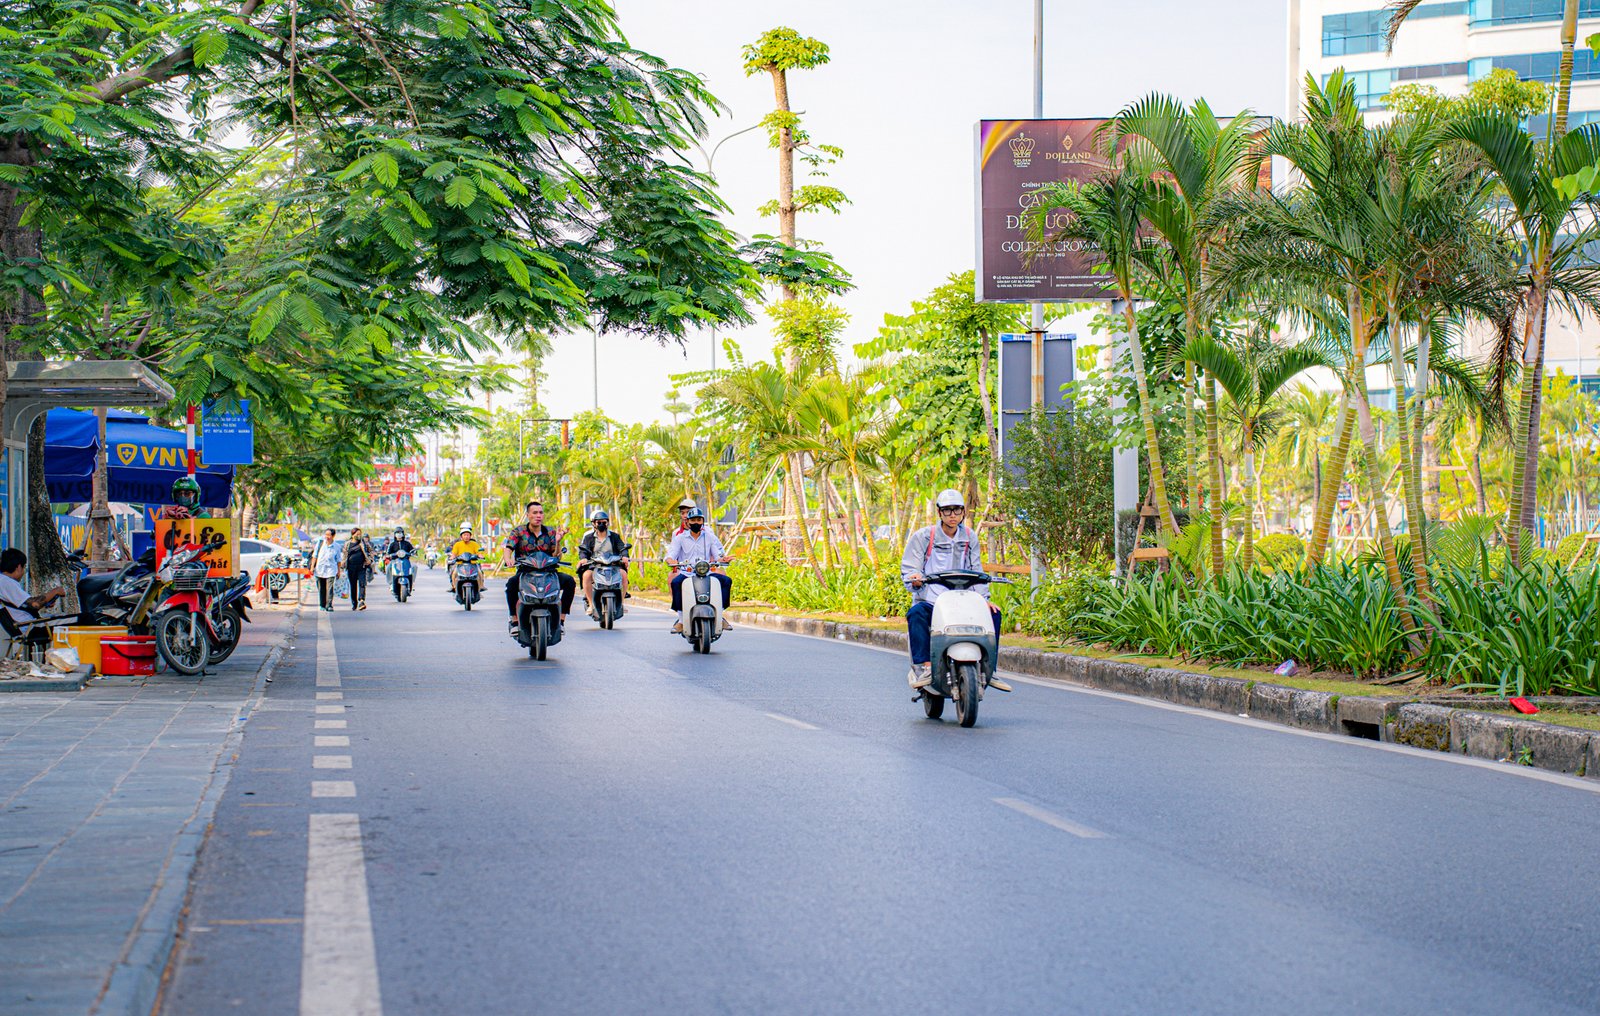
{"x": 105, "y": 797}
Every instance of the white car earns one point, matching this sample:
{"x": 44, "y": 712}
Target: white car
{"x": 253, "y": 554}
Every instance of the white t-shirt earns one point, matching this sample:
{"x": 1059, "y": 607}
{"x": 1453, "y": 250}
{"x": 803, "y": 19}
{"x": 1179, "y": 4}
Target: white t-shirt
{"x": 13, "y": 595}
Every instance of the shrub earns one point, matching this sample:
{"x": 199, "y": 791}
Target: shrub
{"x": 1277, "y": 551}
{"x": 1569, "y": 548}
{"x": 1049, "y": 610}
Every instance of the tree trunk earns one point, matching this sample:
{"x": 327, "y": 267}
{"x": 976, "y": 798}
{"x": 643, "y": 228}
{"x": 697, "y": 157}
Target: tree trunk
{"x": 1525, "y": 430}
{"x": 858, "y": 504}
{"x": 48, "y": 565}
{"x": 1158, "y": 476}
{"x": 1191, "y": 475}
{"x": 1569, "y": 38}
{"x": 1214, "y": 456}
{"x": 1476, "y": 472}
{"x": 1391, "y": 560}
{"x": 1332, "y": 480}
{"x": 1249, "y": 485}
{"x": 1410, "y": 461}
{"x": 98, "y": 519}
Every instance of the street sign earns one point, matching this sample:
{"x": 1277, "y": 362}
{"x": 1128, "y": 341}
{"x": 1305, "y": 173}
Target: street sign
{"x": 228, "y": 439}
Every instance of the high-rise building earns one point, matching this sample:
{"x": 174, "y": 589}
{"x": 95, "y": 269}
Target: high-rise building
{"x": 1449, "y": 44}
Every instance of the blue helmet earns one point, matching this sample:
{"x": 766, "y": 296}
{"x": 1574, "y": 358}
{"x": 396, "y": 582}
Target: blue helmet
{"x": 599, "y": 517}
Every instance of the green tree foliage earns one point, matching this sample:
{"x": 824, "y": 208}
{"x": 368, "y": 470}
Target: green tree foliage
{"x": 1500, "y": 91}
{"x": 1059, "y": 481}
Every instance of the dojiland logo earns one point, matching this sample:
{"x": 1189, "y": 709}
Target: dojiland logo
{"x": 1021, "y": 151}
{"x": 1068, "y": 155}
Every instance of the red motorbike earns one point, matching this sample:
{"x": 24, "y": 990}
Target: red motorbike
{"x": 182, "y": 622}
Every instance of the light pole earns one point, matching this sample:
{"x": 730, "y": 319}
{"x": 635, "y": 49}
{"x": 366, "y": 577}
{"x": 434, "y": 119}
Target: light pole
{"x": 711, "y": 160}
{"x": 1036, "y": 322}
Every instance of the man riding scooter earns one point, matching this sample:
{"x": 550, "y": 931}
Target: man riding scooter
{"x": 525, "y": 539}
{"x": 464, "y": 544}
{"x": 600, "y": 541}
{"x": 697, "y": 543}
{"x": 947, "y": 546}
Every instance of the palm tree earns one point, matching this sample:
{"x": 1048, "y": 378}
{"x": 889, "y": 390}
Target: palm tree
{"x": 1110, "y": 213}
{"x": 1199, "y": 159}
{"x": 1308, "y": 417}
{"x": 1552, "y": 239}
{"x": 1252, "y": 374}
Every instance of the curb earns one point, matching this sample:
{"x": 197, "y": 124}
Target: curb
{"x": 1446, "y": 728}
{"x": 136, "y": 979}
{"x": 73, "y": 680}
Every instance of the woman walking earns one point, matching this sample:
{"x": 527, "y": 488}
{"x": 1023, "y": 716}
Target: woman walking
{"x": 358, "y": 558}
{"x": 325, "y": 565}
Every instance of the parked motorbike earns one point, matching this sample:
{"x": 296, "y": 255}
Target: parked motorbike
{"x": 122, "y": 597}
{"x": 608, "y": 576}
{"x": 402, "y": 573}
{"x": 229, "y": 611}
{"x": 538, "y": 602}
{"x": 701, "y": 616}
{"x": 182, "y": 623}
{"x": 469, "y": 579}
{"x": 964, "y": 647}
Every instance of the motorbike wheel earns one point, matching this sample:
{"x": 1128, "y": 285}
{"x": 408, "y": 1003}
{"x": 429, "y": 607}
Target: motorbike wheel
{"x": 608, "y": 615}
{"x": 966, "y": 693}
{"x": 466, "y": 596}
{"x": 932, "y": 705}
{"x": 538, "y": 644}
{"x": 229, "y": 627}
{"x": 184, "y": 654}
{"x": 405, "y": 591}
{"x": 702, "y": 637}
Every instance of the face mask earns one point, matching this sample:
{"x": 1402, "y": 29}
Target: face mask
{"x": 695, "y": 527}
{"x": 599, "y": 527}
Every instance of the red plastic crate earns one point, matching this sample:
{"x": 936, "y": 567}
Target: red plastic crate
{"x": 130, "y": 656}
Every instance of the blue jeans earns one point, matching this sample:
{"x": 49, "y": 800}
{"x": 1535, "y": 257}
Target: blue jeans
{"x": 919, "y": 620}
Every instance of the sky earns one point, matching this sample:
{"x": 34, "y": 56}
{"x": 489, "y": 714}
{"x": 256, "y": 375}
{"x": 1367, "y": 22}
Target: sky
{"x": 906, "y": 82}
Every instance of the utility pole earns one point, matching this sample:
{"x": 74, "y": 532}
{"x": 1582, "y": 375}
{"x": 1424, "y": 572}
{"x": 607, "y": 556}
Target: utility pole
{"x": 1036, "y": 328}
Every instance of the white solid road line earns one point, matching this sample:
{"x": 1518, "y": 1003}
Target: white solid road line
{"x": 1354, "y": 743}
{"x": 1050, "y": 818}
{"x": 338, "y": 961}
{"x": 791, "y": 721}
{"x": 327, "y": 661}
{"x": 333, "y": 788}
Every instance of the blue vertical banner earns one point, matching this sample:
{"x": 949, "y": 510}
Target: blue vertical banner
{"x": 227, "y": 439}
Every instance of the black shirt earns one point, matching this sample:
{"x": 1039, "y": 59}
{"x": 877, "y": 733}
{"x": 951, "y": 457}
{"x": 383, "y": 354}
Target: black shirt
{"x": 586, "y": 545}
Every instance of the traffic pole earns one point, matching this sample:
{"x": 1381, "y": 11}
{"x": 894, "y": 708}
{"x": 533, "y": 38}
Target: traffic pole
{"x": 188, "y": 438}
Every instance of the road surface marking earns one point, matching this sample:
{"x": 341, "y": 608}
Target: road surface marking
{"x": 329, "y": 696}
{"x": 333, "y": 788}
{"x": 331, "y": 724}
{"x": 243, "y": 922}
{"x": 331, "y": 709}
{"x": 791, "y": 721}
{"x": 338, "y": 960}
{"x": 327, "y": 657}
{"x": 332, "y": 741}
{"x": 330, "y": 761}
{"x": 1050, "y": 818}
{"x": 1357, "y": 743}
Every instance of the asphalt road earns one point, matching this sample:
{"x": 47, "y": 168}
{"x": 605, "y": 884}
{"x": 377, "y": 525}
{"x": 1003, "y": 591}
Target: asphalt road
{"x": 630, "y": 828}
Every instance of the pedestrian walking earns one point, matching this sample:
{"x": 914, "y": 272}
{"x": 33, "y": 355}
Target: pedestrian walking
{"x": 325, "y": 566}
{"x": 358, "y": 558}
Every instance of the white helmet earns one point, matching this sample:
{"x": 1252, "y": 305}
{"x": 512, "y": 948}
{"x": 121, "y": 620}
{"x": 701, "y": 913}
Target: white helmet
{"x": 949, "y": 498}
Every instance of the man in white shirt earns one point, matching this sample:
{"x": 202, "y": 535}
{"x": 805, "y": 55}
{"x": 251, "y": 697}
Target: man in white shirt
{"x": 697, "y": 543}
{"x": 14, "y": 595}
{"x": 947, "y": 546}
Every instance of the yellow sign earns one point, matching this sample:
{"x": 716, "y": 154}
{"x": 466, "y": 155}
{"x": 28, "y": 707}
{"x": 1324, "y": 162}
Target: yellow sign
{"x": 281, "y": 533}
{"x": 216, "y": 535}
{"x": 153, "y": 456}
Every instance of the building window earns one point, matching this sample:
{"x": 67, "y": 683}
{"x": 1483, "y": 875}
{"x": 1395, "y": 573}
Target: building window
{"x": 1539, "y": 125}
{"x": 1522, "y": 12}
{"x": 1373, "y": 86}
{"x": 1541, "y": 66}
{"x": 1362, "y": 31}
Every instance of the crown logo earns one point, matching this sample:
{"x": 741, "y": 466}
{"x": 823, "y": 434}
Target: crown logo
{"x": 1021, "y": 146}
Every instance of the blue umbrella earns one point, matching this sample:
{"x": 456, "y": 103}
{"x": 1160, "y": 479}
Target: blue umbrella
{"x": 142, "y": 460}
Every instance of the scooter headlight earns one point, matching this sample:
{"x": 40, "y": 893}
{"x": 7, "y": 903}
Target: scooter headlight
{"x": 964, "y": 629}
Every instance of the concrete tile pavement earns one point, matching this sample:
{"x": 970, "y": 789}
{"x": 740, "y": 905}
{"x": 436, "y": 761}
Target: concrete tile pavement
{"x": 105, "y": 796}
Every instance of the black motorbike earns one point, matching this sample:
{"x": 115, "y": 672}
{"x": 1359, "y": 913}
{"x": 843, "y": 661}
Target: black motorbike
{"x": 608, "y": 575}
{"x": 538, "y": 602}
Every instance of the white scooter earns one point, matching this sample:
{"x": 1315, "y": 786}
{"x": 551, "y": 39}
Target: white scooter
{"x": 701, "y": 614}
{"x": 963, "y": 647}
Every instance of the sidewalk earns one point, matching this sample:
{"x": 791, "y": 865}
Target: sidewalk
{"x": 105, "y": 795}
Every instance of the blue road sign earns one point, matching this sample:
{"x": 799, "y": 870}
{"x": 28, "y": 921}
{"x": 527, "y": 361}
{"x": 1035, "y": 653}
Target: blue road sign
{"x": 227, "y": 439}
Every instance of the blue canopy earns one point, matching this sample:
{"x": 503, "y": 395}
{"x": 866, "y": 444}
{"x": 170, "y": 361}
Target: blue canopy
{"x": 142, "y": 460}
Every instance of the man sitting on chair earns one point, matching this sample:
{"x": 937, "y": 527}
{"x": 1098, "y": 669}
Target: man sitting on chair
{"x": 22, "y": 606}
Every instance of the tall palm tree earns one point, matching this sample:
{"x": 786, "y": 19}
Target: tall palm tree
{"x": 1199, "y": 159}
{"x": 1110, "y": 213}
{"x": 1552, "y": 238}
{"x": 1252, "y": 373}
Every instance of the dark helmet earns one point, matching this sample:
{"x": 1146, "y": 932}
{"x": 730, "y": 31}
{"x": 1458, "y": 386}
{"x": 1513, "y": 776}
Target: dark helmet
{"x": 600, "y": 517}
{"x": 186, "y": 492}
{"x": 697, "y": 513}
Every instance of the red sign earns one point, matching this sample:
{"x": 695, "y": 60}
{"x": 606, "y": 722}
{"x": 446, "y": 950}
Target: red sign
{"x": 394, "y": 480}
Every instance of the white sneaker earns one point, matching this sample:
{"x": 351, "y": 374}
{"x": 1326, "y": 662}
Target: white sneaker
{"x": 921, "y": 675}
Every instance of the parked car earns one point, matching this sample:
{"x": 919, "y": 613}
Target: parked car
{"x": 253, "y": 555}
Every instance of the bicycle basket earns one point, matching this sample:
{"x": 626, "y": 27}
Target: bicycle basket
{"x": 190, "y": 577}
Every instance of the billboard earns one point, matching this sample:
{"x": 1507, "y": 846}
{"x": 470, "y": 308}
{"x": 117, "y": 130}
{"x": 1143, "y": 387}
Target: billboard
{"x": 1015, "y": 160}
{"x": 393, "y": 480}
{"x": 216, "y": 535}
